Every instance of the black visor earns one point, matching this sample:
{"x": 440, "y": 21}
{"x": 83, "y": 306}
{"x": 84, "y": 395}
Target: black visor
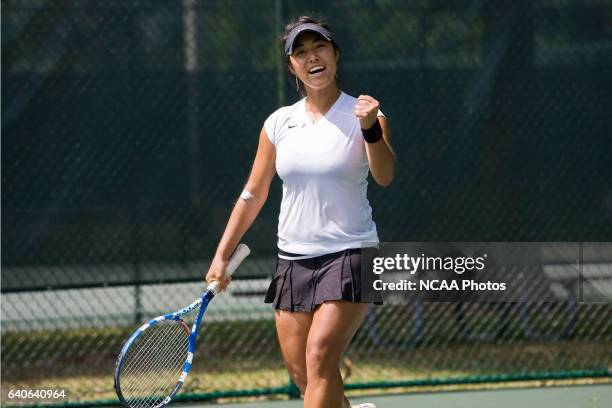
{"x": 315, "y": 28}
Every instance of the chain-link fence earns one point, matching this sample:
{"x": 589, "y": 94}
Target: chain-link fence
{"x": 128, "y": 129}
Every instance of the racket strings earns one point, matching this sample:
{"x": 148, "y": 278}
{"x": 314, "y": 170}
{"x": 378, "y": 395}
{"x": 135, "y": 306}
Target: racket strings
{"x": 159, "y": 384}
{"x": 146, "y": 344}
{"x": 154, "y": 364}
{"x": 157, "y": 372}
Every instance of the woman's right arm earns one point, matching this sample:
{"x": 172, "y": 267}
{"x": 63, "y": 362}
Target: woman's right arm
{"x": 245, "y": 211}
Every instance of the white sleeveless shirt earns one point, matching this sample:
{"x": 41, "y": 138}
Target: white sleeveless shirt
{"x": 324, "y": 170}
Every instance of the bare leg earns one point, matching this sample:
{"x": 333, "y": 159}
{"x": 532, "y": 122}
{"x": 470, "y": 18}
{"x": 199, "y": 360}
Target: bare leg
{"x": 333, "y": 326}
{"x": 292, "y": 329}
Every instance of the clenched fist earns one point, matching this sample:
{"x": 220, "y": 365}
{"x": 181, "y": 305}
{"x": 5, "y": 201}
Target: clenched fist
{"x": 366, "y": 111}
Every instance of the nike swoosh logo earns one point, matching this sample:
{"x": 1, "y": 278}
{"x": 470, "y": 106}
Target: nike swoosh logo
{"x": 292, "y": 126}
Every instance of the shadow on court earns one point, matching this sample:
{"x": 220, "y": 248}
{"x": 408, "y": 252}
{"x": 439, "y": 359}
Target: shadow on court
{"x": 591, "y": 396}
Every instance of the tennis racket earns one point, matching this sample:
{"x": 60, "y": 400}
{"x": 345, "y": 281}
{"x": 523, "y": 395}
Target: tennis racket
{"x": 155, "y": 361}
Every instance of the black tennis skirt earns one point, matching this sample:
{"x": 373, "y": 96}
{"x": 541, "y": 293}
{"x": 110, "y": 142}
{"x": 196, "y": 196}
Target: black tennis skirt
{"x": 301, "y": 285}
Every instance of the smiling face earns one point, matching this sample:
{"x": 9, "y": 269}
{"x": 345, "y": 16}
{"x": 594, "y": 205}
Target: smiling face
{"x": 314, "y": 61}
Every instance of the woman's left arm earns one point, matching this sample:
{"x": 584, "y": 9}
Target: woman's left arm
{"x": 380, "y": 154}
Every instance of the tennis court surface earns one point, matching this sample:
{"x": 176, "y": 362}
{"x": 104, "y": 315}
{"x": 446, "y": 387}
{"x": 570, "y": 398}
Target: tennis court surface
{"x": 591, "y": 396}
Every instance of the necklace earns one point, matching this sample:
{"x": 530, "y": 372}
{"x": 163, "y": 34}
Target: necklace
{"x": 314, "y": 120}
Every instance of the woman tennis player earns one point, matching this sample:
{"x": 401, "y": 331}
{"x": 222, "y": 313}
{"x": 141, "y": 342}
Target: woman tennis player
{"x": 322, "y": 147}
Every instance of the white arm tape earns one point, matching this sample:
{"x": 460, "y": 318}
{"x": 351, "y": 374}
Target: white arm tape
{"x": 245, "y": 195}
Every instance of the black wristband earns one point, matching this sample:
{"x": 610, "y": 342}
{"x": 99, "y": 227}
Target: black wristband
{"x": 373, "y": 134}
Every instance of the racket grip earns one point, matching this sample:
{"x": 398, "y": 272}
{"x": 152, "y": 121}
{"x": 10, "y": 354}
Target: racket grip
{"x": 241, "y": 252}
{"x": 213, "y": 287}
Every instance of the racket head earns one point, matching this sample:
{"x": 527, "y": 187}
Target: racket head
{"x": 154, "y": 363}
{"x": 161, "y": 351}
